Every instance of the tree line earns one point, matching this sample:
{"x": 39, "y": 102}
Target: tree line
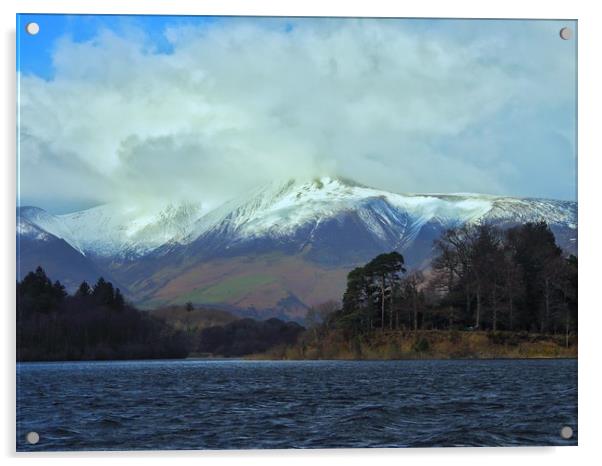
{"x": 247, "y": 336}
{"x": 482, "y": 277}
{"x": 97, "y": 323}
{"x": 93, "y": 323}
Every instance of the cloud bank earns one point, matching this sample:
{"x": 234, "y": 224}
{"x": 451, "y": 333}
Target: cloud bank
{"x": 242, "y": 101}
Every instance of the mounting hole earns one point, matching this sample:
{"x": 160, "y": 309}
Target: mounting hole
{"x": 566, "y": 432}
{"x": 32, "y": 438}
{"x": 32, "y": 28}
{"x": 566, "y": 33}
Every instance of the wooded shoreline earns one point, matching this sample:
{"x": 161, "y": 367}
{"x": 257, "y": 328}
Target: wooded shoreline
{"x": 490, "y": 294}
{"x": 429, "y": 344}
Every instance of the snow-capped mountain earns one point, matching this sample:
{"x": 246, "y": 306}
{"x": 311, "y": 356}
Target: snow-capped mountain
{"x": 285, "y": 244}
{"x": 115, "y": 230}
{"x": 34, "y": 222}
{"x": 48, "y": 247}
{"x": 281, "y": 210}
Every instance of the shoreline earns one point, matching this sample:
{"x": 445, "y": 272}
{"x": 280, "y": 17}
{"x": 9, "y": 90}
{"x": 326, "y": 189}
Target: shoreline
{"x": 426, "y": 345}
{"x": 260, "y": 359}
{"x": 434, "y": 358}
{"x": 393, "y": 346}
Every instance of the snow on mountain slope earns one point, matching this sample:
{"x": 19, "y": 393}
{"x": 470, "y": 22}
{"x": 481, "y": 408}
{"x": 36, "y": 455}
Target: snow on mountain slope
{"x": 40, "y": 247}
{"x": 281, "y": 210}
{"x": 35, "y": 221}
{"x": 562, "y": 213}
{"x": 26, "y": 229}
{"x": 112, "y": 230}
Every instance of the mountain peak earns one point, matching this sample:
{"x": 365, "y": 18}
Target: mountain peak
{"x": 323, "y": 181}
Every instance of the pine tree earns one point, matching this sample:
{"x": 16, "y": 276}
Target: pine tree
{"x": 38, "y": 293}
{"x": 384, "y": 272}
{"x": 118, "y": 302}
{"x": 103, "y": 293}
{"x": 83, "y": 290}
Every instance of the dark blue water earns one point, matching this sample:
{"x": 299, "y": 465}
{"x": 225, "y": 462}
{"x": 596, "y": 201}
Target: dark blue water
{"x": 308, "y": 404}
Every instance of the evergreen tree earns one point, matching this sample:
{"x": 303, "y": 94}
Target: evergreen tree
{"x": 356, "y": 308}
{"x": 384, "y": 273}
{"x": 119, "y": 301}
{"x": 51, "y": 325}
{"x": 103, "y": 293}
{"x": 37, "y": 293}
{"x": 84, "y": 290}
{"x": 355, "y": 294}
{"x": 536, "y": 253}
{"x": 58, "y": 290}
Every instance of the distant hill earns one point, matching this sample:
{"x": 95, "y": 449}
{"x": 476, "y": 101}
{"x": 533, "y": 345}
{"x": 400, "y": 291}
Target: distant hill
{"x": 180, "y": 318}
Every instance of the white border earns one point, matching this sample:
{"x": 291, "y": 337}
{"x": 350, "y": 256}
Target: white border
{"x": 590, "y": 200}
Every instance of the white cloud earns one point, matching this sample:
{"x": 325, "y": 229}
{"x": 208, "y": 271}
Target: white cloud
{"x": 241, "y": 102}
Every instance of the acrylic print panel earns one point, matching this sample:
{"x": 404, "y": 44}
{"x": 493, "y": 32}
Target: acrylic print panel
{"x": 246, "y": 232}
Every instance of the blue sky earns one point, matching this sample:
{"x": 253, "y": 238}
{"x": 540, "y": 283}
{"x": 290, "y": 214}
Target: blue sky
{"x": 403, "y": 105}
{"x": 35, "y": 52}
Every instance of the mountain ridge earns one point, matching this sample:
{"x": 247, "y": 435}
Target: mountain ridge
{"x": 187, "y": 221}
{"x": 322, "y": 227}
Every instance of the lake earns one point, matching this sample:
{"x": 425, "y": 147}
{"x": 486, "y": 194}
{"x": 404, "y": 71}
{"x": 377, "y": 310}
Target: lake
{"x": 232, "y": 404}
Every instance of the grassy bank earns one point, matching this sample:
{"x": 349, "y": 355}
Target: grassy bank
{"x": 434, "y": 344}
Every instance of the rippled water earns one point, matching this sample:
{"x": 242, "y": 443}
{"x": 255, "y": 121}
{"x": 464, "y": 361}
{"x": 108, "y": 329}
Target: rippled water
{"x": 307, "y": 404}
